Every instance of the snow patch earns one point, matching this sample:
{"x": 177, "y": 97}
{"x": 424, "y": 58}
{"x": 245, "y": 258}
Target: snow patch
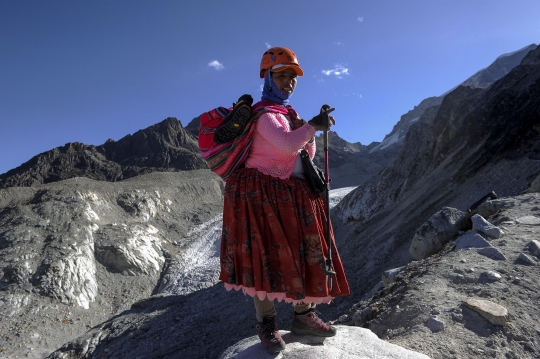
{"x": 198, "y": 266}
{"x": 336, "y": 195}
{"x": 387, "y": 142}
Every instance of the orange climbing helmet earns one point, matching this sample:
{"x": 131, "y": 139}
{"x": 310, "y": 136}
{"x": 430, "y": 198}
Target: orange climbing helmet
{"x": 278, "y": 59}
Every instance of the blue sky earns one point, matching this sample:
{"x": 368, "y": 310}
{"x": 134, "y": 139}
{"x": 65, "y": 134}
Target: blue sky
{"x": 86, "y": 71}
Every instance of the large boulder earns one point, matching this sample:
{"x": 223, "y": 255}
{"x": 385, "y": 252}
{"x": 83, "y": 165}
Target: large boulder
{"x": 438, "y": 230}
{"x": 349, "y": 343}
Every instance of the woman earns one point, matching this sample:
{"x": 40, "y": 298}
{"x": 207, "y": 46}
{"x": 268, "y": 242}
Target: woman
{"x": 274, "y": 225}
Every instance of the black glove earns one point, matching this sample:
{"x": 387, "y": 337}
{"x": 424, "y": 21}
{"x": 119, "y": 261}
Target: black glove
{"x": 321, "y": 122}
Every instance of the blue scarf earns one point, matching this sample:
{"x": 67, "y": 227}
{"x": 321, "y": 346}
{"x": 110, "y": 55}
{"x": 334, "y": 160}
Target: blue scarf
{"x": 272, "y": 93}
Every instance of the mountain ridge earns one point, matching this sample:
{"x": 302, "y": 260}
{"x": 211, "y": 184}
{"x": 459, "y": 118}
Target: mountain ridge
{"x": 481, "y": 79}
{"x": 165, "y": 146}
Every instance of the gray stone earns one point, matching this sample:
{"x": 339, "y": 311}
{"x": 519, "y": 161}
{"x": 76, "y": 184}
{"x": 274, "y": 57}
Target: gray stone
{"x": 435, "y": 324}
{"x": 471, "y": 239}
{"x": 489, "y": 208}
{"x": 526, "y": 259}
{"x": 492, "y": 275}
{"x": 389, "y": 276}
{"x": 438, "y": 230}
{"x": 360, "y": 317}
{"x": 136, "y": 251}
{"x": 534, "y": 247}
{"x": 458, "y": 317}
{"x": 529, "y": 220}
{"x": 496, "y": 314}
{"x": 350, "y": 343}
{"x": 483, "y": 226}
{"x": 493, "y": 253}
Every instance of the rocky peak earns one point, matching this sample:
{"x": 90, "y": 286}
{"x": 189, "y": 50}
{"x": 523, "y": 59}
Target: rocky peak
{"x": 532, "y": 58}
{"x": 498, "y": 69}
{"x": 165, "y": 146}
{"x": 481, "y": 79}
{"x": 400, "y": 129}
{"x": 471, "y": 129}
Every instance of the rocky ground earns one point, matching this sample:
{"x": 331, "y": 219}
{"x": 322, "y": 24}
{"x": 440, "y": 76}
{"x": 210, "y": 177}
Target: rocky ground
{"x": 424, "y": 308}
{"x": 78, "y": 252}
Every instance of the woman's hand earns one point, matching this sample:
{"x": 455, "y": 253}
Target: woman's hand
{"x": 323, "y": 122}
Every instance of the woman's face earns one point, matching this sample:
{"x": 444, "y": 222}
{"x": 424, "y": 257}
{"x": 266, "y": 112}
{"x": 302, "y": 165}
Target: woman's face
{"x": 285, "y": 80}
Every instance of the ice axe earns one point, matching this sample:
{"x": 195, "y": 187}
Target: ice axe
{"x": 328, "y": 271}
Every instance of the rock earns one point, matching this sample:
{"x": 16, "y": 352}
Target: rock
{"x": 16, "y": 274}
{"x": 526, "y": 259}
{"x": 134, "y": 251}
{"x": 70, "y": 277}
{"x": 492, "y": 275}
{"x": 493, "y": 253}
{"x": 435, "y": 324}
{"x": 361, "y": 316}
{"x": 349, "y": 343}
{"x": 534, "y": 247}
{"x": 390, "y": 275}
{"x": 487, "y": 197}
{"x": 529, "y": 220}
{"x": 496, "y": 314}
{"x": 490, "y": 208}
{"x": 471, "y": 239}
{"x": 458, "y": 317}
{"x": 483, "y": 226}
{"x": 436, "y": 232}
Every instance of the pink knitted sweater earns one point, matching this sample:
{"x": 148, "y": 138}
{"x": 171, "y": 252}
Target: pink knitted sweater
{"x": 275, "y": 145}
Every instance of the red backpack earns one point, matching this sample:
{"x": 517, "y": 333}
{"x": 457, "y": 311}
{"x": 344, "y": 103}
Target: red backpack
{"x": 224, "y": 158}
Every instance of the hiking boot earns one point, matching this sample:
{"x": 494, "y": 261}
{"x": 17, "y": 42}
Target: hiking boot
{"x": 311, "y": 324}
{"x": 269, "y": 335}
{"x": 231, "y": 125}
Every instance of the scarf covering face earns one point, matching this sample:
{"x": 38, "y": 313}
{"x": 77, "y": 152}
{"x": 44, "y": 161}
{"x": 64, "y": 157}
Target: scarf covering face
{"x": 272, "y": 93}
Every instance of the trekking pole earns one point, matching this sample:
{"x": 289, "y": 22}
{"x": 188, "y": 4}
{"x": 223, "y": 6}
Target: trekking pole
{"x": 328, "y": 265}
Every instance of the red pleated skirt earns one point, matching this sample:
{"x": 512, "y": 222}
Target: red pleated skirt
{"x": 274, "y": 240}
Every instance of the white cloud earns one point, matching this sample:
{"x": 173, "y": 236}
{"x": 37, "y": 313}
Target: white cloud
{"x": 216, "y": 65}
{"x": 339, "y": 71}
{"x": 360, "y": 19}
{"x": 267, "y": 45}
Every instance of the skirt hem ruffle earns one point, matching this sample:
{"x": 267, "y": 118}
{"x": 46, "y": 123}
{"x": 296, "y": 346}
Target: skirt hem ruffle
{"x": 252, "y": 292}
